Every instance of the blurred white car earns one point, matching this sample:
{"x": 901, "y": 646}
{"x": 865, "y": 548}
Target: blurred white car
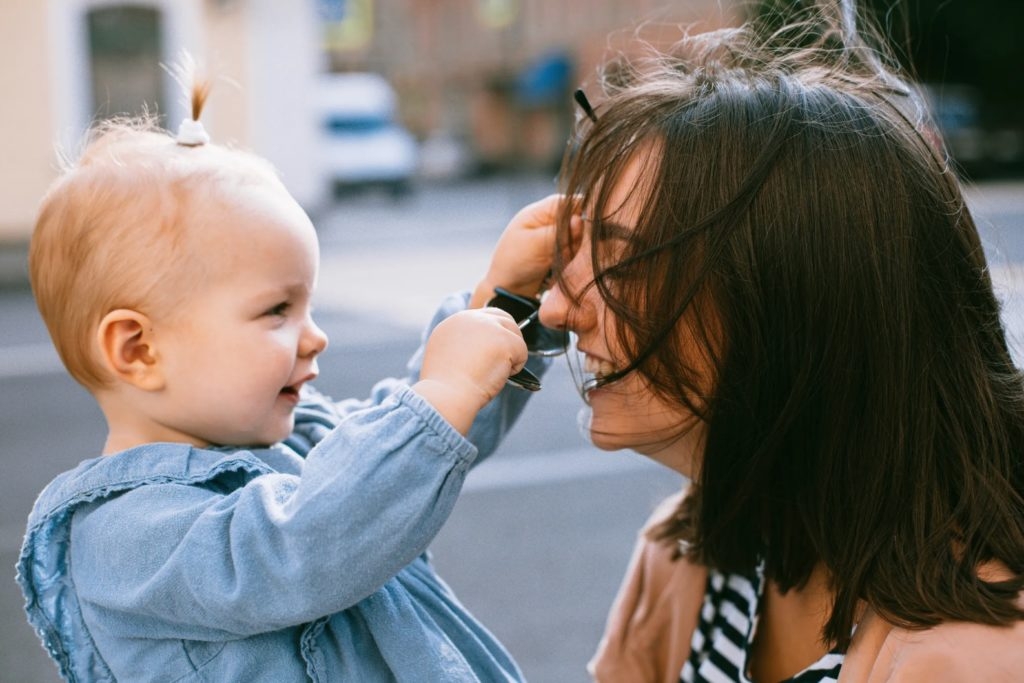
{"x": 362, "y": 144}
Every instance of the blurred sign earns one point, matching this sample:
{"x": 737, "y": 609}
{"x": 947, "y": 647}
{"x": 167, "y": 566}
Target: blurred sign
{"x": 497, "y": 13}
{"x": 331, "y": 10}
{"x": 347, "y": 24}
{"x": 545, "y": 81}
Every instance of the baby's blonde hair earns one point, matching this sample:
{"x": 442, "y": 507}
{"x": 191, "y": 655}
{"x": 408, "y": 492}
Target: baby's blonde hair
{"x": 115, "y": 230}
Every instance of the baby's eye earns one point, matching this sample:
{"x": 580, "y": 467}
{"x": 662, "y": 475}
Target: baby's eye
{"x": 279, "y": 310}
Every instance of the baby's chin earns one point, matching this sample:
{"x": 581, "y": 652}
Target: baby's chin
{"x": 259, "y": 440}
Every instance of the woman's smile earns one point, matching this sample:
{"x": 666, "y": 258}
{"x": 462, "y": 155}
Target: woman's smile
{"x": 598, "y": 367}
{"x": 595, "y": 371}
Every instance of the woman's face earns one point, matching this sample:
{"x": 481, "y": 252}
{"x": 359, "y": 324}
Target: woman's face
{"x": 625, "y": 414}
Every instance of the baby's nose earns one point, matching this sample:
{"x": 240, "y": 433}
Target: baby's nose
{"x": 314, "y": 340}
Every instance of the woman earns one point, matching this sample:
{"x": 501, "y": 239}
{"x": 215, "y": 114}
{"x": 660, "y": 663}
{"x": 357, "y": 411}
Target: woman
{"x": 779, "y": 292}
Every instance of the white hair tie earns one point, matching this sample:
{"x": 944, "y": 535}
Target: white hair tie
{"x": 192, "y": 134}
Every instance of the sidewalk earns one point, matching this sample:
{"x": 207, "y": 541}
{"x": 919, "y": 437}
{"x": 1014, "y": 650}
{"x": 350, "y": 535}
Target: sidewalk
{"x": 402, "y": 288}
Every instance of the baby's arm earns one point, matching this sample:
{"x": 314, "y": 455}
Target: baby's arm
{"x": 250, "y": 550}
{"x": 465, "y": 363}
{"x": 467, "y": 360}
{"x": 439, "y": 371}
{"x": 522, "y": 257}
{"x": 520, "y": 261}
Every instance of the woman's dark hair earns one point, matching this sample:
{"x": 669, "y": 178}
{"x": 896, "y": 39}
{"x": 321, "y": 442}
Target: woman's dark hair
{"x": 802, "y": 236}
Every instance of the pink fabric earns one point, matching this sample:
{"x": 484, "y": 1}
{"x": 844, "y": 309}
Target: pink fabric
{"x": 647, "y": 637}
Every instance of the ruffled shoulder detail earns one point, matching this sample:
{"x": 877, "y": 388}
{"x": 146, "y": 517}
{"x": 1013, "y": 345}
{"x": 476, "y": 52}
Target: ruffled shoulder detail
{"x": 51, "y": 602}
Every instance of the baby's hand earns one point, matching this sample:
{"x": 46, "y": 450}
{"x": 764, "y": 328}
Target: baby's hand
{"x": 466, "y": 362}
{"x": 522, "y": 257}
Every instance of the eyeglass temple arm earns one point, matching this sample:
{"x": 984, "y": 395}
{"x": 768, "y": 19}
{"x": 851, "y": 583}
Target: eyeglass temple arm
{"x": 528, "y": 319}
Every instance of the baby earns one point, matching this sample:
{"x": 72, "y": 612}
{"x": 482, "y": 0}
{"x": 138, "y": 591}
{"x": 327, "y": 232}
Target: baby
{"x": 239, "y": 526}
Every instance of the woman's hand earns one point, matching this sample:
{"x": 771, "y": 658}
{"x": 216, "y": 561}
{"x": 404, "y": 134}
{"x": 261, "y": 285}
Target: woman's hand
{"x": 522, "y": 257}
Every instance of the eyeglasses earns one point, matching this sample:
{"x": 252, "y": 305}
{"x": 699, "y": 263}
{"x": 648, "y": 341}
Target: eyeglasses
{"x": 540, "y": 340}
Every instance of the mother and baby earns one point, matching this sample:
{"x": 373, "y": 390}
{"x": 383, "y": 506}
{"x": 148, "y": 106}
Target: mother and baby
{"x": 776, "y": 288}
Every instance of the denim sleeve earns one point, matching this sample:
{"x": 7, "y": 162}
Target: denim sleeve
{"x": 199, "y": 562}
{"x": 497, "y": 417}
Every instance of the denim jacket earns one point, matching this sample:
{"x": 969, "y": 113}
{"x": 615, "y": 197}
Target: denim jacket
{"x": 302, "y": 561}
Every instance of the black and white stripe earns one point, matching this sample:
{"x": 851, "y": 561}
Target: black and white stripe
{"x": 721, "y": 644}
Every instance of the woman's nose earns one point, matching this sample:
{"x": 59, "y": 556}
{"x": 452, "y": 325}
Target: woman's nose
{"x": 554, "y": 309}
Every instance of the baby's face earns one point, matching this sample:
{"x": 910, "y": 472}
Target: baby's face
{"x": 242, "y": 342}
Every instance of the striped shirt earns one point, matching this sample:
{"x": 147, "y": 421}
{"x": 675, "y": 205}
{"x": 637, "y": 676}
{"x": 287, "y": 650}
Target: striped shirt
{"x": 722, "y": 642}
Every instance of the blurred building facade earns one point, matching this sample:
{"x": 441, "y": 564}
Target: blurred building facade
{"x": 491, "y": 79}
{"x": 497, "y": 74}
{"x": 69, "y": 62}
{"x": 493, "y": 75}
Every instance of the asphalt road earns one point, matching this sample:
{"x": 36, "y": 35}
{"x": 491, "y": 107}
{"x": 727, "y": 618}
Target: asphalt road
{"x": 537, "y": 544}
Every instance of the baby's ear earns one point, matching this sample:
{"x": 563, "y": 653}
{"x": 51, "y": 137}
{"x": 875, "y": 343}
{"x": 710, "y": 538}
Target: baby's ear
{"x": 127, "y": 349}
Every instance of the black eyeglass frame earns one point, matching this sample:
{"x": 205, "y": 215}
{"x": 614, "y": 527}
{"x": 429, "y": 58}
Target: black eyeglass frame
{"x": 540, "y": 340}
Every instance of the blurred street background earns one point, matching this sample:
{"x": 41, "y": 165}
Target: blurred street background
{"x": 412, "y": 130}
{"x": 540, "y": 538}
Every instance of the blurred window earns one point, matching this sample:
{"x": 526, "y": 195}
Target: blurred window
{"x": 345, "y": 124}
{"x": 124, "y": 60}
